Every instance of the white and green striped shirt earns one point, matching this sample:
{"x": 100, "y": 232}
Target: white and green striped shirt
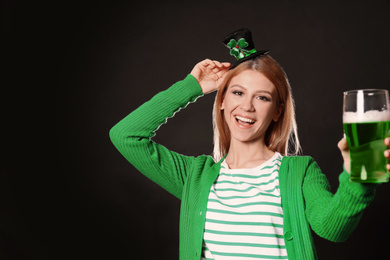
{"x": 244, "y": 218}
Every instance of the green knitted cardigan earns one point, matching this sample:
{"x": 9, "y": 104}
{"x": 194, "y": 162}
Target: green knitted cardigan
{"x": 306, "y": 197}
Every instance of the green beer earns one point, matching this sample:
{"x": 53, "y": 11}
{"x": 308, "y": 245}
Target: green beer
{"x": 366, "y": 122}
{"x": 365, "y": 141}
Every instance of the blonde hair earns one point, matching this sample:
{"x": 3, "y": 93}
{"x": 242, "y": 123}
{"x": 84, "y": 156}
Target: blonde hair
{"x": 281, "y": 136}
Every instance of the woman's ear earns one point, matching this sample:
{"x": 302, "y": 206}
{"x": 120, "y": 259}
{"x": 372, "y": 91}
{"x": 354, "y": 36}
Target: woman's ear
{"x": 279, "y": 112}
{"x": 222, "y": 107}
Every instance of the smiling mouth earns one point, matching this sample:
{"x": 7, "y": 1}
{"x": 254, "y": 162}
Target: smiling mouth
{"x": 244, "y": 120}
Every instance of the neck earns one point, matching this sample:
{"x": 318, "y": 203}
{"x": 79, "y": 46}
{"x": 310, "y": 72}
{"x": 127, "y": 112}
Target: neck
{"x": 247, "y": 154}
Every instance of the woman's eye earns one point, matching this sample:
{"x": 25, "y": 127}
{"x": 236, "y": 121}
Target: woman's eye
{"x": 264, "y": 98}
{"x": 238, "y": 93}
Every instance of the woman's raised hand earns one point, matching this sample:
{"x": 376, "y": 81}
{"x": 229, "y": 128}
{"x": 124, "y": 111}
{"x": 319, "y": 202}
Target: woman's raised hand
{"x": 210, "y": 74}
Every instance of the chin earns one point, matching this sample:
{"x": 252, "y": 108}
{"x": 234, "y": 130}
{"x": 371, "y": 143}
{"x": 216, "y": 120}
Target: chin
{"x": 245, "y": 138}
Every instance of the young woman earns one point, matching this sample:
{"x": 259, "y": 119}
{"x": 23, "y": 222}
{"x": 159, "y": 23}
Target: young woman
{"x": 252, "y": 200}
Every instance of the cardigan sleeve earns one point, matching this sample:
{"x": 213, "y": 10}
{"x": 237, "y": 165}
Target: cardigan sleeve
{"x": 334, "y": 216}
{"x": 132, "y": 136}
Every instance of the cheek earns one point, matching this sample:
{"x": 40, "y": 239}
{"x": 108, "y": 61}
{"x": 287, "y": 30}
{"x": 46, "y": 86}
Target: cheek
{"x": 225, "y": 115}
{"x": 227, "y": 104}
{"x": 266, "y": 111}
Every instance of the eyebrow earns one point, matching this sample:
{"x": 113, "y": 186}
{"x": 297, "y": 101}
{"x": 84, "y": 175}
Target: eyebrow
{"x": 258, "y": 91}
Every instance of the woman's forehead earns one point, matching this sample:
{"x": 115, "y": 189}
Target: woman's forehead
{"x": 252, "y": 81}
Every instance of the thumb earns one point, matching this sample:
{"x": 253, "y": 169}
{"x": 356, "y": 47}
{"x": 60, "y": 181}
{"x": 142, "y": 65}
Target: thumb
{"x": 344, "y": 149}
{"x": 343, "y": 145}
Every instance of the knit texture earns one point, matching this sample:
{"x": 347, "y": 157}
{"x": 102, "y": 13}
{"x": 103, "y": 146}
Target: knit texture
{"x": 306, "y": 197}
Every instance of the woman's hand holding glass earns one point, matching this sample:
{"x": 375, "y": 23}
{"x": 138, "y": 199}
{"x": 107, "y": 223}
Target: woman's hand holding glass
{"x": 343, "y": 146}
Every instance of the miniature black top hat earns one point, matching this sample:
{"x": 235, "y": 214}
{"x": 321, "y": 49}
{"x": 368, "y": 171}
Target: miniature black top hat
{"x": 241, "y": 46}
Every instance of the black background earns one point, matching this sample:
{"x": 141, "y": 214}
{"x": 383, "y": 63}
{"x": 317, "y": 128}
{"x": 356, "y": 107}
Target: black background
{"x": 80, "y": 199}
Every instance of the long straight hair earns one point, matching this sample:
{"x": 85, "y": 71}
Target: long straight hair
{"x": 281, "y": 136}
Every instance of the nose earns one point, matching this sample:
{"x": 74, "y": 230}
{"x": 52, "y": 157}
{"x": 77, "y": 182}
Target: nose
{"x": 247, "y": 104}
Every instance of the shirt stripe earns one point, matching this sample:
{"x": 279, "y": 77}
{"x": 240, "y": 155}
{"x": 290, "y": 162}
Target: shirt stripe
{"x": 244, "y": 218}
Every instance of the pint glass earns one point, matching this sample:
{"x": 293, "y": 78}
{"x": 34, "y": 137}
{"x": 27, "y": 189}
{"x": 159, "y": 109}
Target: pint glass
{"x": 366, "y": 122}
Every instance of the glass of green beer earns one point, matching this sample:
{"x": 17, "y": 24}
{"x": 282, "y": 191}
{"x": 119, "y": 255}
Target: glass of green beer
{"x": 366, "y": 122}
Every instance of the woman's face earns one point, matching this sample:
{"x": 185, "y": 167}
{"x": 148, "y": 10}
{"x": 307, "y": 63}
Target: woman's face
{"x": 249, "y": 105}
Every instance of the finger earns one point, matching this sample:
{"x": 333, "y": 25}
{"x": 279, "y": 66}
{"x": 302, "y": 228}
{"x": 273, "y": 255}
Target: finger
{"x": 207, "y": 63}
{"x": 218, "y": 64}
{"x": 218, "y": 68}
{"x": 210, "y": 64}
{"x": 222, "y": 73}
{"x": 387, "y": 142}
{"x": 223, "y": 65}
{"x": 387, "y": 154}
{"x": 343, "y": 145}
{"x": 226, "y": 64}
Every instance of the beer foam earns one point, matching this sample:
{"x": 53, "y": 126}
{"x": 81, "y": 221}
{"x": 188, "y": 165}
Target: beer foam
{"x": 368, "y": 116}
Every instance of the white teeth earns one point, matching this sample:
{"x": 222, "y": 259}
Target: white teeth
{"x": 243, "y": 119}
